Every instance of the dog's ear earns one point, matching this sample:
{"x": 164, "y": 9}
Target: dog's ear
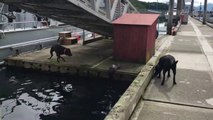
{"x": 176, "y": 62}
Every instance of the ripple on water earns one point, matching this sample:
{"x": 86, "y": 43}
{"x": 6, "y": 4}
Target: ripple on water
{"x": 35, "y": 96}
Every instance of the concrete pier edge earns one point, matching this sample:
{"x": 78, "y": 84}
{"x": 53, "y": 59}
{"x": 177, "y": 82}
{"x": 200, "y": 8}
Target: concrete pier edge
{"x": 72, "y": 70}
{"x": 132, "y": 97}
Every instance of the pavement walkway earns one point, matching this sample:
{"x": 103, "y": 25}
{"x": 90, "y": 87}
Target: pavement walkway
{"x": 192, "y": 97}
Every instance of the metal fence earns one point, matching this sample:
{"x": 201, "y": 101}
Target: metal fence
{"x": 15, "y": 49}
{"x": 24, "y": 25}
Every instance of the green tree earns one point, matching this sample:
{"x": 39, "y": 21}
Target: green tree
{"x": 144, "y": 6}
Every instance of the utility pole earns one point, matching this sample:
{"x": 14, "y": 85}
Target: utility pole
{"x": 204, "y": 12}
{"x": 183, "y": 4}
{"x": 200, "y": 11}
{"x": 192, "y": 7}
{"x": 170, "y": 17}
{"x": 178, "y": 7}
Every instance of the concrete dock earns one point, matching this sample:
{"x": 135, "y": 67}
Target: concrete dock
{"x": 190, "y": 99}
{"x": 93, "y": 59}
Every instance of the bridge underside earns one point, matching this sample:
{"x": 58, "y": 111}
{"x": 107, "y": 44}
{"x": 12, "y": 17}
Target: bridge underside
{"x": 66, "y": 12}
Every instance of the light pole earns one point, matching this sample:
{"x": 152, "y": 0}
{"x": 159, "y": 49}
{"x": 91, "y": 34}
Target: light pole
{"x": 200, "y": 11}
{"x": 191, "y": 8}
{"x": 170, "y": 17}
{"x": 204, "y": 12}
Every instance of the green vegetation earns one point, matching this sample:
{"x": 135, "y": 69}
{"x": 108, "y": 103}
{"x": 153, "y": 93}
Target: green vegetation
{"x": 144, "y": 6}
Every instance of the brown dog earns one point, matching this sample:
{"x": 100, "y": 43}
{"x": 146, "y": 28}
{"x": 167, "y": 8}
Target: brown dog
{"x": 60, "y": 50}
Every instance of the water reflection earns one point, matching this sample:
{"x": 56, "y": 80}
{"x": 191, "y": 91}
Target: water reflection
{"x": 26, "y": 95}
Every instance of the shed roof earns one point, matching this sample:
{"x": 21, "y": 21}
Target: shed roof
{"x": 136, "y": 19}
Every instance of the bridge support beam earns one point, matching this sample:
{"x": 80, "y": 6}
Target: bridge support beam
{"x": 91, "y": 15}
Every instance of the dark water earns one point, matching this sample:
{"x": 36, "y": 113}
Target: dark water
{"x": 28, "y": 95}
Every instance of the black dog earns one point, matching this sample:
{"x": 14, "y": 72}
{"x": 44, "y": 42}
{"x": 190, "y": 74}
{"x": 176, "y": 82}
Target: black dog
{"x": 59, "y": 50}
{"x": 112, "y": 70}
{"x": 166, "y": 63}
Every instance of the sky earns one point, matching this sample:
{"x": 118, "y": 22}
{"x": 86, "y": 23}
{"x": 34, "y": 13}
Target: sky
{"x": 196, "y": 2}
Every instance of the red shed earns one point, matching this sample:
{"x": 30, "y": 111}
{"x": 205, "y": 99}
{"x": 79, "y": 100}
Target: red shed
{"x": 134, "y": 37}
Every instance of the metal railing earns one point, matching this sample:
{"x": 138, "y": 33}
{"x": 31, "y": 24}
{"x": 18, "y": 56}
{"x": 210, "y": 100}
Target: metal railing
{"x": 24, "y": 25}
{"x": 39, "y": 41}
{"x": 111, "y": 9}
{"x": 14, "y": 49}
